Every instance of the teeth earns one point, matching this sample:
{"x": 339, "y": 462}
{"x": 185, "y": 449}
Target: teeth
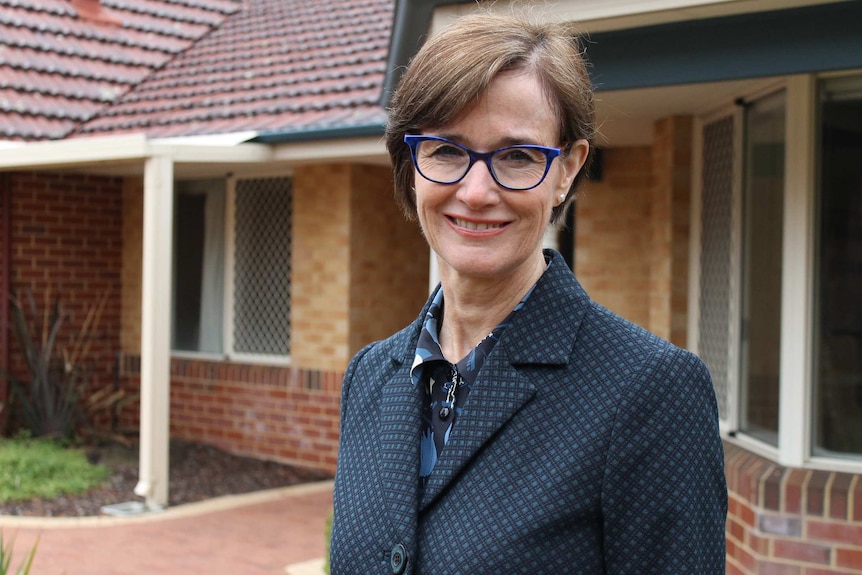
{"x": 475, "y": 225}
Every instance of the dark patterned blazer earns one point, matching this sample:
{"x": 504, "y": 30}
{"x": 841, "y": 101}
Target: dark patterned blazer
{"x": 587, "y": 446}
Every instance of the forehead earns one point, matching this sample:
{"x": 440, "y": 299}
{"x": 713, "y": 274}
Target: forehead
{"x": 515, "y": 108}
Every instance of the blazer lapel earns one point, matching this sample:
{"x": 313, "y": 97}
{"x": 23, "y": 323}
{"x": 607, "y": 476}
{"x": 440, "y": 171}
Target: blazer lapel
{"x": 497, "y": 395}
{"x": 542, "y": 334}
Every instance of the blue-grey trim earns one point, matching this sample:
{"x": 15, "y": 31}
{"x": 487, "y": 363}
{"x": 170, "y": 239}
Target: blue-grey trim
{"x": 329, "y": 133}
{"x": 791, "y": 41}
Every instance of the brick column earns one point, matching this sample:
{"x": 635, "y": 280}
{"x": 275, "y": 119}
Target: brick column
{"x": 669, "y": 228}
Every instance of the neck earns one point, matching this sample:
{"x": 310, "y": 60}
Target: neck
{"x": 474, "y": 306}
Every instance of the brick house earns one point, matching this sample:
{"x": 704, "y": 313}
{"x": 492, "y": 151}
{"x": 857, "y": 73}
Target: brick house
{"x": 725, "y": 214}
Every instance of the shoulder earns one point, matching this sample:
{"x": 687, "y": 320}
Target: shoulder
{"x": 606, "y": 334}
{"x": 376, "y": 359}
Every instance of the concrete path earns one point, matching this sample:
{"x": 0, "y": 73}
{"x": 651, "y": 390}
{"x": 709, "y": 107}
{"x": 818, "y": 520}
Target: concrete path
{"x": 255, "y": 534}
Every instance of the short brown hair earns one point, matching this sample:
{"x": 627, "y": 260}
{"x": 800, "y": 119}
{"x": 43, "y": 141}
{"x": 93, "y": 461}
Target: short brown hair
{"x": 454, "y": 68}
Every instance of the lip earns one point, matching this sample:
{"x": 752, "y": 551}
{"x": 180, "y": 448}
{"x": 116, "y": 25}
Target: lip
{"x": 472, "y": 226}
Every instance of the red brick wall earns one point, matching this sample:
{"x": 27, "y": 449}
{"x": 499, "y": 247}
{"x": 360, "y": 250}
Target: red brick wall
{"x": 274, "y": 413}
{"x": 66, "y": 242}
{"x": 784, "y": 521}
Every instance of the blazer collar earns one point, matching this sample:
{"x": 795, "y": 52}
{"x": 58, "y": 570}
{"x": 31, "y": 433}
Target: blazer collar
{"x": 556, "y": 306}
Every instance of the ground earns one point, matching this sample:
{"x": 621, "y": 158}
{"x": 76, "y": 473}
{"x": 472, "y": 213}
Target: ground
{"x": 197, "y": 472}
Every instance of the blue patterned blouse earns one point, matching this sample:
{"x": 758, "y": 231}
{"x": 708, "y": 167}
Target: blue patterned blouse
{"x": 446, "y": 385}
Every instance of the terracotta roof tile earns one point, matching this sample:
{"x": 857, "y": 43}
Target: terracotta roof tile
{"x": 275, "y": 65}
{"x": 65, "y": 85}
{"x": 183, "y": 67}
{"x": 60, "y": 63}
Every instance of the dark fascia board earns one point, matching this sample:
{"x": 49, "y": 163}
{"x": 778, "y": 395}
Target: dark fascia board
{"x": 313, "y": 134}
{"x": 760, "y": 44}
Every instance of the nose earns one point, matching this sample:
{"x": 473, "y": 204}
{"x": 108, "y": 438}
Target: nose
{"x": 478, "y": 188}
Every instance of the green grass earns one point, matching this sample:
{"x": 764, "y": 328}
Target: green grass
{"x": 39, "y": 468}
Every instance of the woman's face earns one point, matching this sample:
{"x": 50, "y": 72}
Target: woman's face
{"x": 476, "y": 227}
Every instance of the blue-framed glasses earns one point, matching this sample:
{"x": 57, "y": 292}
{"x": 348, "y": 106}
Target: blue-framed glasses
{"x": 443, "y": 161}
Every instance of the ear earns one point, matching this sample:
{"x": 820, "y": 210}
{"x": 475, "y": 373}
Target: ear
{"x": 573, "y": 162}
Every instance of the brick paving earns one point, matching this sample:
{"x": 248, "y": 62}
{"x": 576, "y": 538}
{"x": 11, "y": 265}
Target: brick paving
{"x": 254, "y": 534}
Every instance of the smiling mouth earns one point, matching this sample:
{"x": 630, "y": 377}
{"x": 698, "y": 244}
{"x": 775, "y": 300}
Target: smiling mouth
{"x": 478, "y": 226}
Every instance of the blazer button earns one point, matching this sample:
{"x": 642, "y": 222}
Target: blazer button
{"x": 398, "y": 559}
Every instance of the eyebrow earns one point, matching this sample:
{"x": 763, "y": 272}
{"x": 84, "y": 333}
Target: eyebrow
{"x": 503, "y": 143}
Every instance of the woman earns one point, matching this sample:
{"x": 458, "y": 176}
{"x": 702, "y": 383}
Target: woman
{"x": 516, "y": 426}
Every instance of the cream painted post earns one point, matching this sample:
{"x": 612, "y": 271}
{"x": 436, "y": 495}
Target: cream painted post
{"x": 794, "y": 423}
{"x": 156, "y": 331}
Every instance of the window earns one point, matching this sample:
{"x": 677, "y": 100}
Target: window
{"x": 762, "y": 213}
{"x": 232, "y": 251}
{"x": 838, "y": 272}
{"x": 780, "y": 268}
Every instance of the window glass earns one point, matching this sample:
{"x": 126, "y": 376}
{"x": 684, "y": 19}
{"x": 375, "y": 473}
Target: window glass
{"x": 838, "y": 265}
{"x": 198, "y": 267}
{"x": 763, "y": 207}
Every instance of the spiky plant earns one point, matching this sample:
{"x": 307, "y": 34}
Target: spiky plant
{"x": 6, "y": 558}
{"x": 49, "y": 400}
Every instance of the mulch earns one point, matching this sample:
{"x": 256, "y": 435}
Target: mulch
{"x": 197, "y": 472}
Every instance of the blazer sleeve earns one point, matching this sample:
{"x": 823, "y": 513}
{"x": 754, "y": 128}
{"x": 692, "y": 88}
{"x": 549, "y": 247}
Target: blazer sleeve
{"x": 664, "y": 494}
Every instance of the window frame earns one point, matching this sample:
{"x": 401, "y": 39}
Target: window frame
{"x": 229, "y": 354}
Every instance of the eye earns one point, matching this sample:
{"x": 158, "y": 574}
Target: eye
{"x": 443, "y": 150}
{"x": 520, "y": 156}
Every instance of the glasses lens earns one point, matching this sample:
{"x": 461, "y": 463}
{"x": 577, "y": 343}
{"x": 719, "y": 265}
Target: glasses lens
{"x": 441, "y": 161}
{"x": 519, "y": 168}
